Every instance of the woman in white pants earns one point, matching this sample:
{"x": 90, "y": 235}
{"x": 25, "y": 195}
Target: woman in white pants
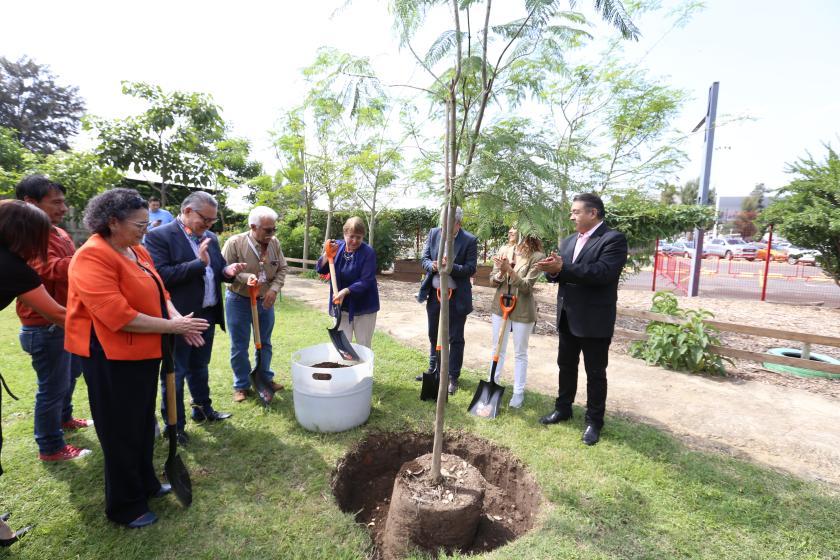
{"x": 516, "y": 263}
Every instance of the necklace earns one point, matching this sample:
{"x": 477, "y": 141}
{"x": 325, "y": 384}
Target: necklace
{"x": 348, "y": 256}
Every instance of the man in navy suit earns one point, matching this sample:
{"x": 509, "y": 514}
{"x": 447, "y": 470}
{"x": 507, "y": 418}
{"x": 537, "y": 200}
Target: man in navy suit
{"x": 586, "y": 270}
{"x": 189, "y": 260}
{"x": 465, "y": 252}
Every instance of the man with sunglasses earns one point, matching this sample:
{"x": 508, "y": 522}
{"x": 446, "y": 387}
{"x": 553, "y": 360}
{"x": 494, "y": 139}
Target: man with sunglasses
{"x": 190, "y": 262}
{"x": 260, "y": 250}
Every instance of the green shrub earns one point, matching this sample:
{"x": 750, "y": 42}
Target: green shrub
{"x": 679, "y": 347}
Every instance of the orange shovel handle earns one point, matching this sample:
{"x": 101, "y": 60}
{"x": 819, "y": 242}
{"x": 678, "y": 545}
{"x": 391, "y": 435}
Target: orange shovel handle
{"x": 507, "y": 309}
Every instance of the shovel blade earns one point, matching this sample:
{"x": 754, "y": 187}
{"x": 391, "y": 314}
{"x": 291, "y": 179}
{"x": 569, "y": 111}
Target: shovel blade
{"x": 177, "y": 474}
{"x": 339, "y": 340}
{"x": 261, "y": 385}
{"x": 487, "y": 400}
{"x": 429, "y": 388}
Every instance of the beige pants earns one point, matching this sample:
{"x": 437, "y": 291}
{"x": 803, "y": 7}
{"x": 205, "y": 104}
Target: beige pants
{"x": 362, "y": 327}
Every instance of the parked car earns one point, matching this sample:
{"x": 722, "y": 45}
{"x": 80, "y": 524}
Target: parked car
{"x": 682, "y": 249}
{"x": 777, "y": 253}
{"x": 729, "y": 248}
{"x": 799, "y": 255}
{"x": 663, "y": 247}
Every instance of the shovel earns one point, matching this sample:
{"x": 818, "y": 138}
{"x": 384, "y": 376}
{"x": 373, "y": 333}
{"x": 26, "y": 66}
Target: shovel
{"x": 339, "y": 339}
{"x": 257, "y": 376}
{"x": 488, "y": 395}
{"x": 431, "y": 379}
{"x": 176, "y": 471}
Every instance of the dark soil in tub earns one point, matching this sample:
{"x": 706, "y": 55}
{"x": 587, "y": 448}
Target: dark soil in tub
{"x": 330, "y": 365}
{"x": 364, "y": 479}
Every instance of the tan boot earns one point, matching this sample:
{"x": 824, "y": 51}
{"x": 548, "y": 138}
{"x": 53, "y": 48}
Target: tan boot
{"x": 239, "y": 395}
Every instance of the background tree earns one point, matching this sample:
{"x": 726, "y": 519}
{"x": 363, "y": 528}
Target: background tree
{"x": 181, "y": 138}
{"x": 44, "y": 114}
{"x": 355, "y": 119}
{"x": 14, "y": 160}
{"x": 807, "y": 210}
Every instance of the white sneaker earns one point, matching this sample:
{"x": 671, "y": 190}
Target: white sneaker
{"x": 516, "y": 400}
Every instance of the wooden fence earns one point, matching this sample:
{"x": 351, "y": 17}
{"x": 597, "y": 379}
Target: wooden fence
{"x": 807, "y": 339}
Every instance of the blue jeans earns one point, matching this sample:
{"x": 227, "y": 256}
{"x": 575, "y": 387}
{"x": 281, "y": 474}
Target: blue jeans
{"x": 191, "y": 363}
{"x": 238, "y": 316}
{"x": 57, "y": 371}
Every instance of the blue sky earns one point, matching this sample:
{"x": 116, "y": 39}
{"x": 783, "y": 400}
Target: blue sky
{"x": 776, "y": 62}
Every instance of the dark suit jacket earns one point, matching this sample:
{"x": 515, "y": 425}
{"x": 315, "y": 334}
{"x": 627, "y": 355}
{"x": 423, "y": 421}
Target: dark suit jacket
{"x": 465, "y": 252}
{"x": 588, "y": 288}
{"x": 182, "y": 272}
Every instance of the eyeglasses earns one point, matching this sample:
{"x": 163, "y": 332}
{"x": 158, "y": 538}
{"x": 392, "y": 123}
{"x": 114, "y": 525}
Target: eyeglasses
{"x": 141, "y": 225}
{"x": 207, "y": 221}
{"x": 269, "y": 230}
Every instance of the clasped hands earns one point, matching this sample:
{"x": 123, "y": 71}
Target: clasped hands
{"x": 552, "y": 264}
{"x": 503, "y": 263}
{"x": 190, "y": 328}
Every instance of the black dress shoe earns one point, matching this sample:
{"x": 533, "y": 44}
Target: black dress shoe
{"x": 16, "y": 537}
{"x": 453, "y": 386}
{"x": 555, "y": 417}
{"x": 591, "y": 435}
{"x": 208, "y": 414}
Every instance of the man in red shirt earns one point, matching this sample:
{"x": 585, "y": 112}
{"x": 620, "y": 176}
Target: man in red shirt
{"x": 57, "y": 370}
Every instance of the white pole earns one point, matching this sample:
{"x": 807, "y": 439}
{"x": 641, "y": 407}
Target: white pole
{"x": 703, "y": 194}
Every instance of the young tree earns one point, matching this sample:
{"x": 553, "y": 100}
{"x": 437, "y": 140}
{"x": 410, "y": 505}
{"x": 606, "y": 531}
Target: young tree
{"x": 477, "y": 65}
{"x": 807, "y": 210}
{"x": 44, "y": 114}
{"x": 354, "y": 115}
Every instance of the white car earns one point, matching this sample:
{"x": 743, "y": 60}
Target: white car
{"x": 799, "y": 255}
{"x": 729, "y": 248}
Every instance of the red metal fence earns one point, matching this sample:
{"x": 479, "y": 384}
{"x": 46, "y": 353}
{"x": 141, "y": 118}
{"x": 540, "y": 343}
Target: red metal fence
{"x": 789, "y": 283}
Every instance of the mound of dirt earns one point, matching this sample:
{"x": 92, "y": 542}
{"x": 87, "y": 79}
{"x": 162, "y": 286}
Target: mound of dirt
{"x": 363, "y": 483}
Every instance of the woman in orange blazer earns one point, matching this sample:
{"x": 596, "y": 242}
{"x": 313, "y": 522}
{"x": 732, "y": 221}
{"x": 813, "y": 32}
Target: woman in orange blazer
{"x": 117, "y": 309}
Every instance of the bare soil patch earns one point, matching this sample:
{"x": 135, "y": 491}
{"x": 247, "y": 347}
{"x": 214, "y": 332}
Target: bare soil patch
{"x": 363, "y": 483}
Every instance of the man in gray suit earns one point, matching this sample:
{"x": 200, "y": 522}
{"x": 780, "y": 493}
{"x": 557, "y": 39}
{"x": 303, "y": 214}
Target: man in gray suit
{"x": 586, "y": 270}
{"x": 465, "y": 256}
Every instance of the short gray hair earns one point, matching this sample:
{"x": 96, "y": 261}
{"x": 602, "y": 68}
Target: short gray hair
{"x": 199, "y": 198}
{"x": 260, "y": 213}
{"x": 459, "y": 215}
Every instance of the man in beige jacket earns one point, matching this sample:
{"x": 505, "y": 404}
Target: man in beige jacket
{"x": 260, "y": 250}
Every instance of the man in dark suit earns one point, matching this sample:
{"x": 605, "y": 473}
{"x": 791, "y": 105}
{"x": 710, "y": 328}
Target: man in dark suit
{"x": 189, "y": 260}
{"x": 465, "y": 253}
{"x": 587, "y": 271}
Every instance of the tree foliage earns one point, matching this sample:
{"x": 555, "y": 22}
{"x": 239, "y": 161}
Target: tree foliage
{"x": 181, "y": 137}
{"x": 43, "y": 113}
{"x": 807, "y": 210}
{"x": 82, "y": 173}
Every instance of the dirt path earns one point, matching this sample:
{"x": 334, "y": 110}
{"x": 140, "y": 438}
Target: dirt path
{"x": 785, "y": 428}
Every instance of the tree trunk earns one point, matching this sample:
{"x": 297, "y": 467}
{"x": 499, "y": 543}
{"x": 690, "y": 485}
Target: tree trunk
{"x": 328, "y": 227}
{"x": 307, "y": 221}
{"x": 372, "y": 221}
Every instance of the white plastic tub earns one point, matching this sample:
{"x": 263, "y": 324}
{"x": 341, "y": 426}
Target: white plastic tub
{"x": 331, "y": 399}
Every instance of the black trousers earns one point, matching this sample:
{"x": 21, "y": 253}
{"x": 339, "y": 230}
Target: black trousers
{"x": 456, "y": 335}
{"x": 122, "y": 401}
{"x": 595, "y": 356}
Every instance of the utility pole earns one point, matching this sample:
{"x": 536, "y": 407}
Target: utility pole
{"x": 703, "y": 192}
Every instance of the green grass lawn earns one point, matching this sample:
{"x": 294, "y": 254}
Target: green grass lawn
{"x": 261, "y": 483}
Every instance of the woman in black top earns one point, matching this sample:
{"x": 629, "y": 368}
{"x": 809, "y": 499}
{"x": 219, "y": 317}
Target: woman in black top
{"x": 24, "y": 234}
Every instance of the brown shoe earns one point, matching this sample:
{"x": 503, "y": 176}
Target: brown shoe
{"x": 239, "y": 395}
{"x": 276, "y": 387}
